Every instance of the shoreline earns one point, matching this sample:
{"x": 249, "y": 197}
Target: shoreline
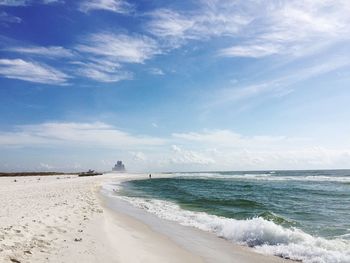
{"x": 66, "y": 219}
{"x": 204, "y": 244}
{"x": 135, "y": 241}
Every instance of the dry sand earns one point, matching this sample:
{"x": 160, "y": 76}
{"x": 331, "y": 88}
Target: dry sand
{"x": 64, "y": 219}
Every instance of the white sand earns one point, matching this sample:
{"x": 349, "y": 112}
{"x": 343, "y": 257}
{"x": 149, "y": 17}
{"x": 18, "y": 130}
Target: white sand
{"x": 63, "y": 219}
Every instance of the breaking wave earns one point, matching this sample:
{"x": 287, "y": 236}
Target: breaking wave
{"x": 263, "y": 235}
{"x": 268, "y": 177}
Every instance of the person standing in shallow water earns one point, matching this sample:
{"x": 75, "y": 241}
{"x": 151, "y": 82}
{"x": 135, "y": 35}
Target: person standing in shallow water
{"x": 150, "y": 176}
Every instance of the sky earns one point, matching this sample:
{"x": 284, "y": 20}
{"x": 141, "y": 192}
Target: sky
{"x": 195, "y": 85}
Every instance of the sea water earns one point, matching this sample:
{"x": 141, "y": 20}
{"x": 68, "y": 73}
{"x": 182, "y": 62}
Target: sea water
{"x": 300, "y": 215}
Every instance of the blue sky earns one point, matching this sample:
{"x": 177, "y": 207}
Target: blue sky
{"x": 174, "y": 85}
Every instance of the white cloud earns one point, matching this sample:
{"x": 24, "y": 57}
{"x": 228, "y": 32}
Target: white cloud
{"x": 232, "y": 151}
{"x": 229, "y": 139}
{"x": 101, "y": 57}
{"x": 292, "y": 27}
{"x": 103, "y": 71}
{"x": 156, "y": 71}
{"x": 258, "y": 28}
{"x": 53, "y": 1}
{"x": 138, "y": 156}
{"x": 104, "y": 76}
{"x": 6, "y": 18}
{"x": 64, "y": 134}
{"x": 90, "y": 66}
{"x": 209, "y": 21}
{"x": 31, "y": 71}
{"x": 27, "y": 2}
{"x": 279, "y": 86}
{"x": 254, "y": 51}
{"x": 205, "y": 150}
{"x": 120, "y": 47}
{"x": 51, "y": 52}
{"x": 14, "y": 2}
{"x": 181, "y": 156}
{"x": 117, "y": 6}
{"x": 167, "y": 23}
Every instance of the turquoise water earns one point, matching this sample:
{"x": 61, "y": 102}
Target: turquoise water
{"x": 303, "y": 215}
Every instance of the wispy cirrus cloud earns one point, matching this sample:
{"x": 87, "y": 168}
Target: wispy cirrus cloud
{"x": 210, "y": 20}
{"x": 31, "y": 71}
{"x": 167, "y": 23}
{"x": 156, "y": 71}
{"x": 282, "y": 84}
{"x": 120, "y": 47}
{"x": 27, "y": 2}
{"x": 251, "y": 50}
{"x": 48, "y": 52}
{"x": 14, "y": 2}
{"x": 106, "y": 55}
{"x": 255, "y": 28}
{"x": 117, "y": 6}
{"x": 101, "y": 57}
{"x": 6, "y": 19}
{"x": 102, "y": 70}
{"x": 292, "y": 27}
{"x": 53, "y": 1}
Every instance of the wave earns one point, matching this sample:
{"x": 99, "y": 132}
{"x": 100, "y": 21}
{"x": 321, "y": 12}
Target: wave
{"x": 268, "y": 177}
{"x": 263, "y": 235}
{"x": 244, "y": 203}
{"x": 277, "y": 219}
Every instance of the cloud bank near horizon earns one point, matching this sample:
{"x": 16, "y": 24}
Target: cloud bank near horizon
{"x": 205, "y": 150}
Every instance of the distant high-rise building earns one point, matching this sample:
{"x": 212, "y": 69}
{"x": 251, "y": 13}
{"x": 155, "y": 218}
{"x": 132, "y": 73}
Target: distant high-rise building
{"x": 119, "y": 167}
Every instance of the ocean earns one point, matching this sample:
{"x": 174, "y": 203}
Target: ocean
{"x": 299, "y": 215}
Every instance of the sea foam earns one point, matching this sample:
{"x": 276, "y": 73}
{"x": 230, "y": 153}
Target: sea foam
{"x": 264, "y": 236}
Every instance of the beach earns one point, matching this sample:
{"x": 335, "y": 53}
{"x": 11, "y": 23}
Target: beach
{"x": 67, "y": 219}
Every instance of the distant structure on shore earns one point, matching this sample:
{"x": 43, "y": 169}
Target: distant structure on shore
{"x": 119, "y": 167}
